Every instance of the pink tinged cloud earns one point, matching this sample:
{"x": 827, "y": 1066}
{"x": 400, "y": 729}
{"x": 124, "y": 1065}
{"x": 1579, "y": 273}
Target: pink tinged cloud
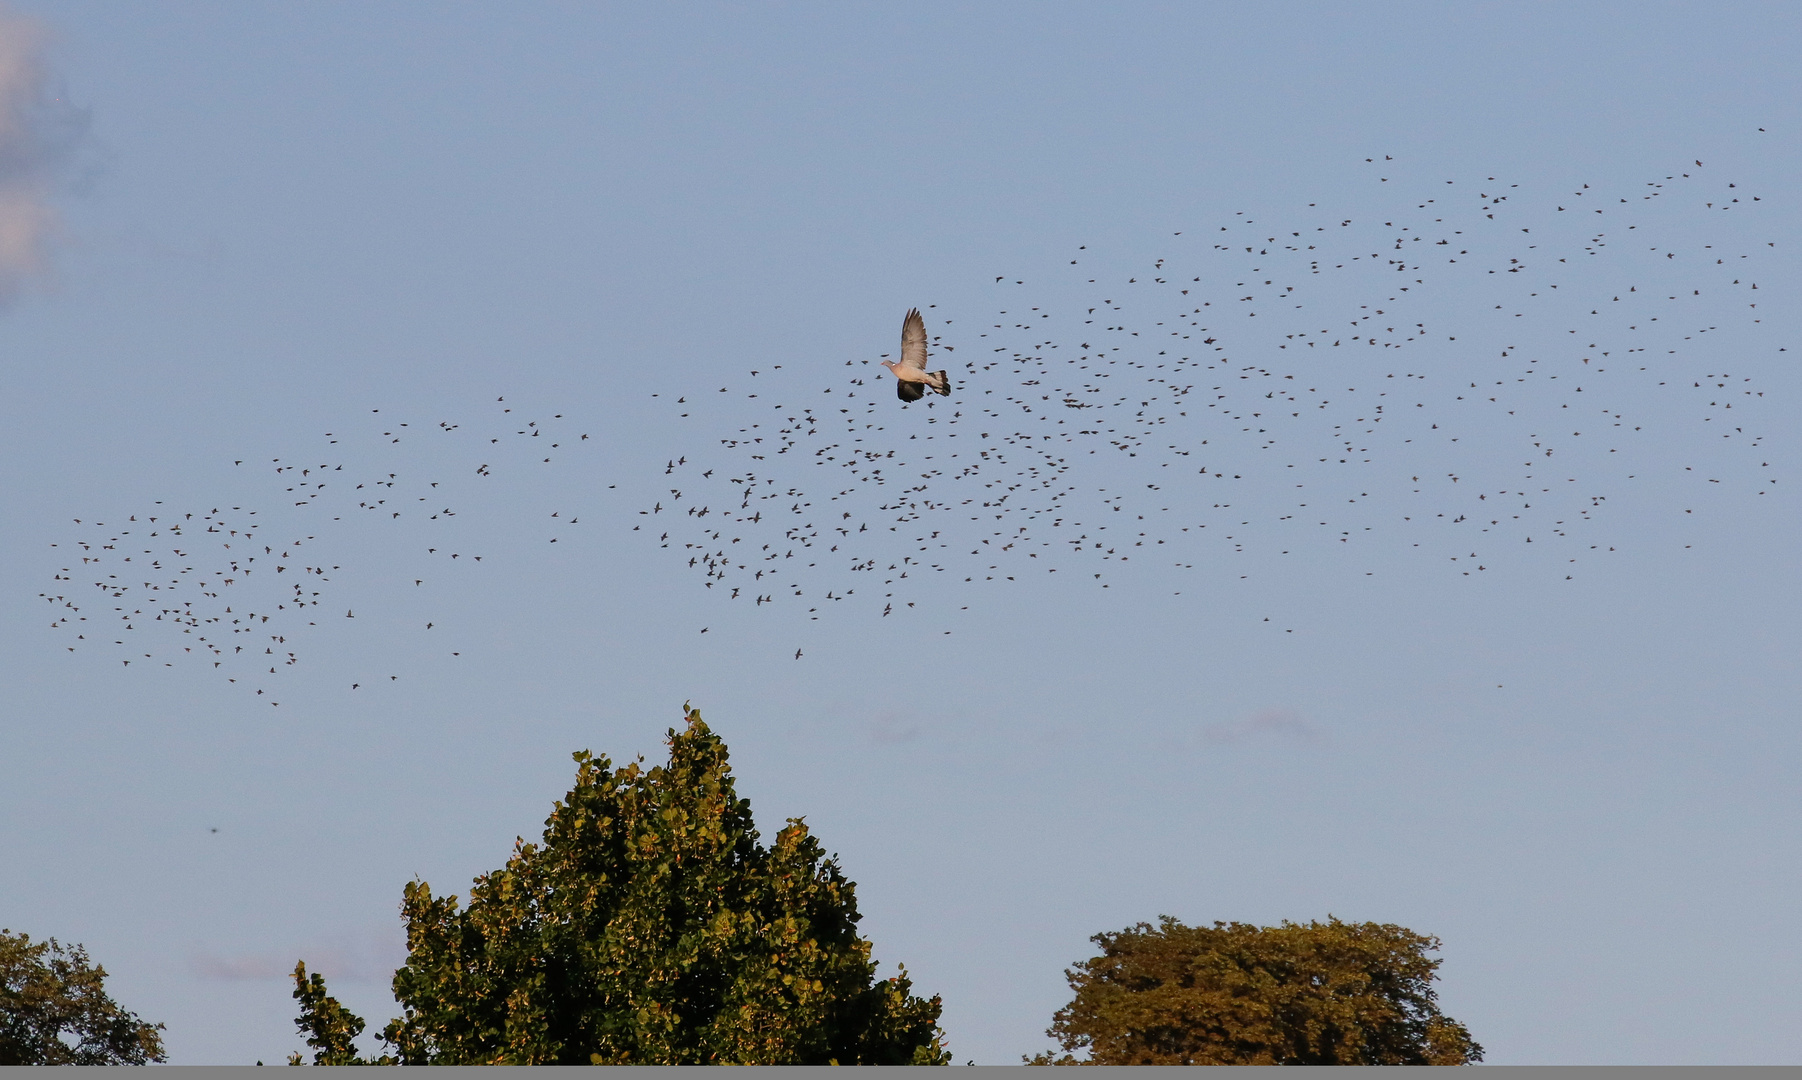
{"x": 369, "y": 955}
{"x": 30, "y": 150}
{"x": 1270, "y": 722}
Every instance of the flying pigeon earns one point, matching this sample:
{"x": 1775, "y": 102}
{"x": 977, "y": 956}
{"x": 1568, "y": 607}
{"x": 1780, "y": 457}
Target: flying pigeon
{"x": 911, "y": 377}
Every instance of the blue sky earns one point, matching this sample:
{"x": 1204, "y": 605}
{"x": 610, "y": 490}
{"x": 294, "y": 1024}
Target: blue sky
{"x": 272, "y": 220}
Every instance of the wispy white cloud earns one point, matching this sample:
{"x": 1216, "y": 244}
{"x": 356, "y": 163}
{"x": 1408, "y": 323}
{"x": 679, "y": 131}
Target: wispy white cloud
{"x": 1270, "y": 722}
{"x": 40, "y": 133}
{"x": 891, "y": 727}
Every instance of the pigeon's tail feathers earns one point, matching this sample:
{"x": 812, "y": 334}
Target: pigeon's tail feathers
{"x": 909, "y": 391}
{"x": 944, "y": 386}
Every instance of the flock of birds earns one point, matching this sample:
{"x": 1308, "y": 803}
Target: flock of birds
{"x": 238, "y": 589}
{"x": 1478, "y": 372}
{"x": 1467, "y": 379}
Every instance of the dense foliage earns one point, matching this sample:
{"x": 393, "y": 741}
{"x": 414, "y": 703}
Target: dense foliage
{"x": 1329, "y": 993}
{"x": 648, "y": 927}
{"x": 54, "y": 1010}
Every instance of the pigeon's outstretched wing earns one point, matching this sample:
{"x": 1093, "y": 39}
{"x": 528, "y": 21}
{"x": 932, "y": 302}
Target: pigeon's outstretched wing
{"x": 909, "y": 391}
{"x": 913, "y": 341}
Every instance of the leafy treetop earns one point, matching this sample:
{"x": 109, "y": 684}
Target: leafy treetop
{"x": 54, "y": 1010}
{"x": 1329, "y": 993}
{"x": 648, "y": 926}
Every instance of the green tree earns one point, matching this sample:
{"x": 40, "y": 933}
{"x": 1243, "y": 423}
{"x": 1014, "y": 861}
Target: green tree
{"x": 54, "y": 1010}
{"x": 648, "y": 927}
{"x": 1329, "y": 993}
{"x": 330, "y": 1028}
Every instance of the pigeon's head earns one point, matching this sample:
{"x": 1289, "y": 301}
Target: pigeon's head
{"x": 890, "y": 364}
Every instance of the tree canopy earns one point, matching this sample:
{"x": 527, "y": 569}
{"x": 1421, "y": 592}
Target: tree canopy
{"x": 648, "y": 926}
{"x": 1329, "y": 993}
{"x": 54, "y": 1010}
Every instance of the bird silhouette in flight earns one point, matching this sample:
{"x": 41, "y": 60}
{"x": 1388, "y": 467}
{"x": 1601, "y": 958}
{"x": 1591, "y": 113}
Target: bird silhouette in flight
{"x": 912, "y": 380}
